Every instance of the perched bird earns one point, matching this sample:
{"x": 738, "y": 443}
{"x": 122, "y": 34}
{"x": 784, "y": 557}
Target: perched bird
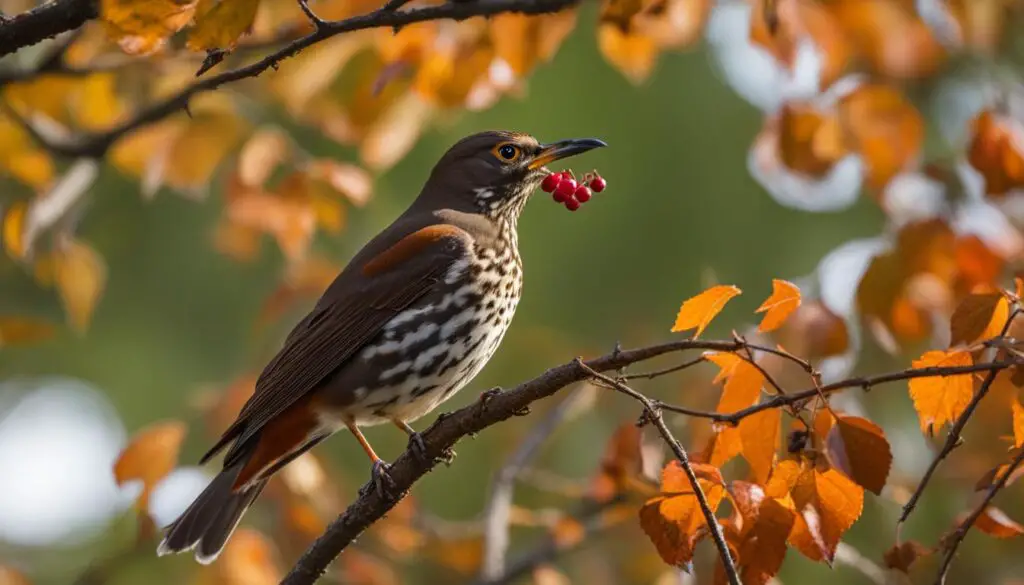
{"x": 415, "y": 316}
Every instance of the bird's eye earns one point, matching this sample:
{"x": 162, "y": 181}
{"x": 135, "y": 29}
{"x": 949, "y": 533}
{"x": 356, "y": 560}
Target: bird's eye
{"x": 507, "y": 152}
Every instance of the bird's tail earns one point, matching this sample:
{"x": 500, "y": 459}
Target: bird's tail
{"x": 209, "y": 521}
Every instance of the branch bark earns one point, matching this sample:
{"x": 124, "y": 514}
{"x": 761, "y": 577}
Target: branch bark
{"x": 44, "y": 22}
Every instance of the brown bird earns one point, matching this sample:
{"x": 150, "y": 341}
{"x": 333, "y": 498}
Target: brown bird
{"x": 412, "y": 319}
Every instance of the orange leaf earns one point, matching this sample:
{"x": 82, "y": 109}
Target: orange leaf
{"x": 248, "y": 558}
{"x": 995, "y": 522}
{"x": 763, "y": 545}
{"x": 902, "y": 556}
{"x": 218, "y": 24}
{"x": 759, "y": 435}
{"x": 783, "y": 479}
{"x": 858, "y": 448}
{"x": 81, "y": 276}
{"x": 743, "y": 382}
{"x": 828, "y": 504}
{"x": 150, "y": 455}
{"x": 937, "y": 399}
{"x": 978, "y": 317}
{"x": 143, "y": 26}
{"x": 673, "y": 519}
{"x": 784, "y": 300}
{"x": 14, "y": 229}
{"x": 1018, "y": 423}
{"x": 698, "y": 311}
{"x": 18, "y": 331}
{"x": 12, "y": 576}
{"x": 722, "y": 446}
{"x": 621, "y": 461}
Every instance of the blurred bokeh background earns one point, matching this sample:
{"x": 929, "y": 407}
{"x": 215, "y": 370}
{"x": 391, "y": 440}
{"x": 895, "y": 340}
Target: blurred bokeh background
{"x": 180, "y": 322}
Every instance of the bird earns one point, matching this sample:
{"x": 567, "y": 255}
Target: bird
{"x": 411, "y": 319}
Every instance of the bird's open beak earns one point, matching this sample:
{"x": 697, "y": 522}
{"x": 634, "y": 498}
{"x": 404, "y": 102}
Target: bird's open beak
{"x": 565, "y": 149}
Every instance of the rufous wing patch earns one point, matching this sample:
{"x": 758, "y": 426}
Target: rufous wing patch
{"x": 409, "y": 246}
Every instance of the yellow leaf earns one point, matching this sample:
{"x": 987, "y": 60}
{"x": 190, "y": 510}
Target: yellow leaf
{"x": 995, "y": 522}
{"x": 828, "y": 504}
{"x": 941, "y": 399}
{"x": 261, "y": 154}
{"x": 698, "y": 311}
{"x": 673, "y": 519}
{"x": 219, "y": 23}
{"x": 142, "y": 27}
{"x": 784, "y": 300}
{"x": 978, "y": 317}
{"x": 149, "y": 456}
{"x": 200, "y": 148}
{"x": 759, "y": 435}
{"x": 633, "y": 54}
{"x": 98, "y": 105}
{"x": 21, "y": 159}
{"x": 19, "y": 331}
{"x": 858, "y": 448}
{"x": 14, "y": 229}
{"x": 523, "y": 41}
{"x": 81, "y": 276}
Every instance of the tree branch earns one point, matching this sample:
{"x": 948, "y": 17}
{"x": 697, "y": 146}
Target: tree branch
{"x": 96, "y": 145}
{"x": 448, "y": 430}
{"x": 44, "y": 22}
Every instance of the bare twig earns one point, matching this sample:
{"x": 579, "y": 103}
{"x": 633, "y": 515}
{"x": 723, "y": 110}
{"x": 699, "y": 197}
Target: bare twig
{"x": 653, "y": 415}
{"x": 499, "y": 508}
{"x": 43, "y": 22}
{"x": 953, "y": 543}
{"x": 97, "y": 145}
{"x": 409, "y": 467}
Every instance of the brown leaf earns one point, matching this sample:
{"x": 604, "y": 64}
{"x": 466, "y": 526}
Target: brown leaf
{"x": 995, "y": 522}
{"x": 149, "y": 456}
{"x": 858, "y": 448}
{"x": 762, "y": 546}
{"x": 22, "y": 331}
{"x": 698, "y": 311}
{"x": 673, "y": 519}
{"x": 902, "y": 556}
{"x": 978, "y": 317}
{"x": 621, "y": 461}
{"x": 941, "y": 399}
{"x": 997, "y": 152}
{"x": 81, "y": 275}
{"x": 828, "y": 504}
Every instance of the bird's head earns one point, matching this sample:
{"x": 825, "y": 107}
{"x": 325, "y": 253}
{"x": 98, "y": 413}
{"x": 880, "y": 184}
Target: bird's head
{"x": 495, "y": 172}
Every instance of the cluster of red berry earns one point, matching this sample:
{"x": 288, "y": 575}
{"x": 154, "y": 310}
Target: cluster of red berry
{"x": 566, "y": 190}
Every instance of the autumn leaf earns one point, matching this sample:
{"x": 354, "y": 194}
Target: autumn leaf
{"x": 149, "y": 456}
{"x": 248, "y": 558}
{"x": 1018, "y": 423}
{"x": 672, "y": 520}
{"x": 995, "y": 522}
{"x": 903, "y": 555}
{"x": 698, "y": 311}
{"x": 761, "y": 545}
{"x": 828, "y": 504}
{"x": 81, "y": 275}
{"x": 621, "y": 460}
{"x": 941, "y": 399}
{"x": 12, "y": 576}
{"x": 743, "y": 381}
{"x": 784, "y": 300}
{"x": 996, "y": 152}
{"x": 21, "y": 331}
{"x": 142, "y": 27}
{"x": 858, "y": 448}
{"x": 219, "y": 23}
{"x": 14, "y": 229}
{"x": 759, "y": 436}
{"x": 978, "y": 317}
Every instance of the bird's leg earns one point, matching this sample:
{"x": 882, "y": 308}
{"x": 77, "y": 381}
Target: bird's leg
{"x": 379, "y": 474}
{"x": 419, "y": 448}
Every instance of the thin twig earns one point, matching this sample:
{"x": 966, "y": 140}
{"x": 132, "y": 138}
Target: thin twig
{"x": 499, "y": 507}
{"x": 96, "y": 145}
{"x": 43, "y": 22}
{"x": 664, "y": 371}
{"x": 653, "y": 415}
{"x": 961, "y": 532}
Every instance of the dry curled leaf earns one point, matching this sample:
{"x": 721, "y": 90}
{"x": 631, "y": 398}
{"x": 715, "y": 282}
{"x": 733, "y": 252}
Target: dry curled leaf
{"x": 780, "y": 305}
{"x": 673, "y": 520}
{"x": 903, "y": 555}
{"x": 995, "y": 522}
{"x": 858, "y": 448}
{"x": 941, "y": 399}
{"x": 698, "y": 311}
{"x": 149, "y": 456}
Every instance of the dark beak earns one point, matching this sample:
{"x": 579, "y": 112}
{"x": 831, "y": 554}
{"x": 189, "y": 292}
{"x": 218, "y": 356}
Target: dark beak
{"x": 564, "y": 149}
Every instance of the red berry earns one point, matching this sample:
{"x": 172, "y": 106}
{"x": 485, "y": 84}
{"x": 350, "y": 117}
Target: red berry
{"x": 559, "y": 197}
{"x": 582, "y": 193}
{"x": 567, "y": 174}
{"x": 551, "y": 182}
{"x": 598, "y": 184}
{"x": 566, "y": 187}
{"x": 572, "y": 204}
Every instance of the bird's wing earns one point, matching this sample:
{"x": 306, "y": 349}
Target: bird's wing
{"x": 341, "y": 325}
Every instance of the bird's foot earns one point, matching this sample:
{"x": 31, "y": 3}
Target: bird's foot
{"x": 380, "y": 479}
{"x": 487, "y": 396}
{"x": 417, "y": 446}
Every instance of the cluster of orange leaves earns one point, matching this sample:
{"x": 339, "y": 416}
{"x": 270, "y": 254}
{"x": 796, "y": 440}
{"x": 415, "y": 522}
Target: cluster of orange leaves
{"x": 810, "y": 494}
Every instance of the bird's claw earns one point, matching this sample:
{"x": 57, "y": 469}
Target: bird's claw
{"x": 417, "y": 446}
{"x": 487, "y": 396}
{"x": 380, "y": 478}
